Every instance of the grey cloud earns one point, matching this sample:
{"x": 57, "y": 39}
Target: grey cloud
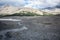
{"x": 57, "y": 6}
{"x": 40, "y": 3}
{"x": 11, "y": 2}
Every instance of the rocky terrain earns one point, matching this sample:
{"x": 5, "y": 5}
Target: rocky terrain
{"x": 4, "y": 10}
{"x": 9, "y": 10}
{"x": 30, "y": 28}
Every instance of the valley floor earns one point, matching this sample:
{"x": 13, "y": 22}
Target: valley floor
{"x": 30, "y": 28}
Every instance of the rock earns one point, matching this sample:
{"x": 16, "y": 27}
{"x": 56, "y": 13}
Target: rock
{"x": 36, "y": 28}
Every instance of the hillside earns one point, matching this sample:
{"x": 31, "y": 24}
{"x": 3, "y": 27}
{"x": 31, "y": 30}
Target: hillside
{"x": 8, "y": 10}
{"x": 11, "y": 10}
{"x": 53, "y": 11}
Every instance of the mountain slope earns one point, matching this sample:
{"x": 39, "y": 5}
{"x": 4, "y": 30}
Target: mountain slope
{"x": 8, "y": 10}
{"x": 11, "y": 10}
{"x": 53, "y": 11}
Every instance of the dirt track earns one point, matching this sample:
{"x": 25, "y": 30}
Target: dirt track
{"x": 33, "y": 28}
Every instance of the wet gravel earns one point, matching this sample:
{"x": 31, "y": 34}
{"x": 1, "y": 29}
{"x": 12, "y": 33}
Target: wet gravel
{"x": 30, "y": 28}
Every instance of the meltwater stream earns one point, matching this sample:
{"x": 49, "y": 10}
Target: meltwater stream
{"x": 9, "y": 20}
{"x": 3, "y": 33}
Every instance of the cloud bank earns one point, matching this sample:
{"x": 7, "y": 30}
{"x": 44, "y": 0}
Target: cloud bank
{"x": 12, "y": 2}
{"x": 38, "y": 4}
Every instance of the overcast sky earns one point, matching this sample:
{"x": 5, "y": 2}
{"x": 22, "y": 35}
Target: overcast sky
{"x": 32, "y": 3}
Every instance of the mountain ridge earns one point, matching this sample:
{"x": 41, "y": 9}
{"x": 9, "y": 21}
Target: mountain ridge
{"x": 9, "y": 10}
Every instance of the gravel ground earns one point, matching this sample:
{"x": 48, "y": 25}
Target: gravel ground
{"x": 30, "y": 28}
